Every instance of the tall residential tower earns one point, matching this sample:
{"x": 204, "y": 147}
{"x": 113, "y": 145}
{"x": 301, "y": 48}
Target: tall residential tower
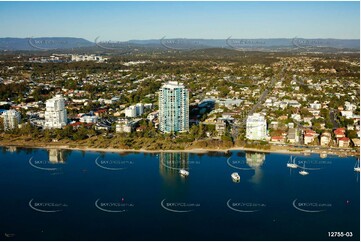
{"x": 173, "y": 108}
{"x": 256, "y": 127}
{"x": 55, "y": 113}
{"x": 11, "y": 119}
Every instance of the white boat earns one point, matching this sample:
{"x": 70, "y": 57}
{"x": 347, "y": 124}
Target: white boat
{"x": 292, "y": 163}
{"x": 184, "y": 172}
{"x": 235, "y": 176}
{"x": 303, "y": 172}
{"x": 357, "y": 166}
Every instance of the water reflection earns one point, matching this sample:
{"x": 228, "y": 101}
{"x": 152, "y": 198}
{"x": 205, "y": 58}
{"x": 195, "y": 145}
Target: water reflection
{"x": 56, "y": 156}
{"x": 175, "y": 187}
{"x": 54, "y": 163}
{"x": 11, "y": 149}
{"x": 171, "y": 163}
{"x": 255, "y": 161}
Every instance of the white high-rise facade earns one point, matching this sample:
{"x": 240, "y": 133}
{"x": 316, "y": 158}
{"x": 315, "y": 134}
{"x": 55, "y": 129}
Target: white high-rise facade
{"x": 55, "y": 113}
{"x": 256, "y": 127}
{"x": 134, "y": 110}
{"x": 11, "y": 119}
{"x": 173, "y": 108}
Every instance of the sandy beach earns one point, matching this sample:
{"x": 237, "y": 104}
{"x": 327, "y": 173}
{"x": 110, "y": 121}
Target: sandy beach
{"x": 273, "y": 149}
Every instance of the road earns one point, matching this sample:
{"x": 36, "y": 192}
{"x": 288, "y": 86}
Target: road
{"x": 236, "y": 126}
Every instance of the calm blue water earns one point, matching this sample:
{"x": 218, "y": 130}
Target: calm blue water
{"x": 74, "y": 195}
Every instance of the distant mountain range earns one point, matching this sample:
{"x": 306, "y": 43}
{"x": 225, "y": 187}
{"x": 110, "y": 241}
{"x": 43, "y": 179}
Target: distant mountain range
{"x": 44, "y": 43}
{"x": 67, "y": 43}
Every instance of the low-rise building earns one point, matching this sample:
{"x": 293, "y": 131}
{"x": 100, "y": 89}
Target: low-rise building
{"x": 339, "y": 133}
{"x": 309, "y": 136}
{"x": 325, "y": 138}
{"x": 153, "y": 115}
{"x": 277, "y": 139}
{"x": 134, "y": 110}
{"x": 126, "y": 125}
{"x": 89, "y": 119}
{"x": 343, "y": 142}
{"x": 315, "y": 105}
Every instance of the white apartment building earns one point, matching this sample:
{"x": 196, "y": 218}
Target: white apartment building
{"x": 89, "y": 119}
{"x": 55, "y": 113}
{"x": 256, "y": 127}
{"x": 11, "y": 119}
{"x": 134, "y": 110}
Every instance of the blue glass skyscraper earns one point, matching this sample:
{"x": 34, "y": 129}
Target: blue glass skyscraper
{"x": 173, "y": 108}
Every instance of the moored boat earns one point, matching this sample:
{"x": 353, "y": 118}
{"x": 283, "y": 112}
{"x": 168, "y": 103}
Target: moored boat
{"x": 292, "y": 163}
{"x": 184, "y": 172}
{"x": 235, "y": 177}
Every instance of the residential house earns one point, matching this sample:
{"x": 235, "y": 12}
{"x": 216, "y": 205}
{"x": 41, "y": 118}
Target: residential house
{"x": 325, "y": 138}
{"x": 343, "y": 142}
{"x": 309, "y": 136}
{"x": 277, "y": 139}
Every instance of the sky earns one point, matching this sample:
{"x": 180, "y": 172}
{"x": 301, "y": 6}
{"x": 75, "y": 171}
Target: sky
{"x": 121, "y": 21}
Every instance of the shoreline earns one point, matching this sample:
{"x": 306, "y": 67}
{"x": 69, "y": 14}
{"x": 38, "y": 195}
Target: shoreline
{"x": 194, "y": 151}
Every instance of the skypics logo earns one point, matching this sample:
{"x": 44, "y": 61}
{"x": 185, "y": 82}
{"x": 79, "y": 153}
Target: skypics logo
{"x": 114, "y": 206}
{"x": 308, "y": 44}
{"x": 244, "y": 44}
{"x": 44, "y": 165}
{"x": 312, "y": 164}
{"x": 188, "y": 163}
{"x": 121, "y": 47}
{"x": 239, "y": 164}
{"x": 181, "y": 44}
{"x": 47, "y": 207}
{"x": 311, "y": 206}
{"x": 179, "y": 207}
{"x": 245, "y": 207}
{"x": 46, "y": 44}
{"x": 113, "y": 165}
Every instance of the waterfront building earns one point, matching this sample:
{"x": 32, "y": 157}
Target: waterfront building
{"x": 11, "y": 119}
{"x": 126, "y": 126}
{"x": 325, "y": 138}
{"x": 256, "y": 127}
{"x": 221, "y": 127}
{"x": 55, "y": 113}
{"x": 173, "y": 108}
